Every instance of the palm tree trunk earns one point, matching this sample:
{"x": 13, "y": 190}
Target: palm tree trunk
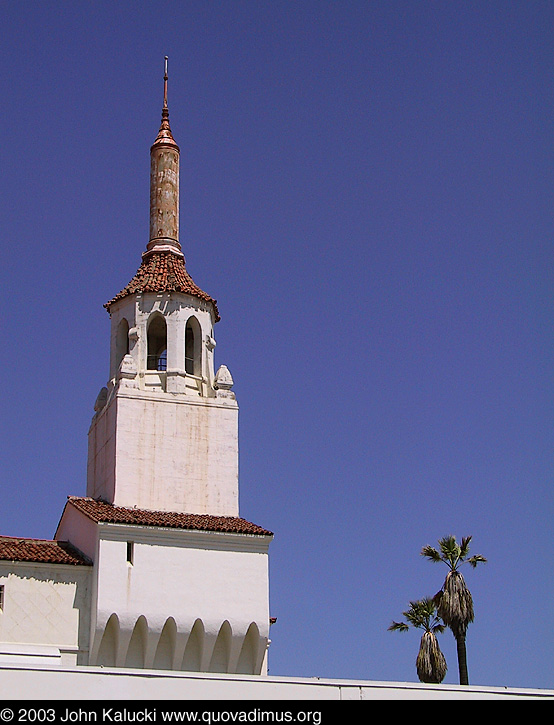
{"x": 462, "y": 659}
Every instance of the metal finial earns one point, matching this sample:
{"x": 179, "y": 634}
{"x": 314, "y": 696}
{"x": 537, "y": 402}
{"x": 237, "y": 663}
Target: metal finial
{"x": 164, "y": 134}
{"x": 165, "y": 82}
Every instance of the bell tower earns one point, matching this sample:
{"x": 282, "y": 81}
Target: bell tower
{"x": 164, "y": 435}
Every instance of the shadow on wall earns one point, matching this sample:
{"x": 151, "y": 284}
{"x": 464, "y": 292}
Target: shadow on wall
{"x": 194, "y": 651}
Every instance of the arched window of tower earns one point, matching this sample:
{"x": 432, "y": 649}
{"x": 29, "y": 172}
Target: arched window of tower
{"x": 193, "y": 348}
{"x": 157, "y": 343}
{"x": 121, "y": 342}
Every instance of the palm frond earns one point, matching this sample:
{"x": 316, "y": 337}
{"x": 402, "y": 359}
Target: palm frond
{"x": 464, "y": 547}
{"x": 425, "y": 606}
{"x": 421, "y": 614}
{"x": 450, "y": 550}
{"x": 474, "y": 560}
{"x": 398, "y": 627}
{"x": 429, "y": 552}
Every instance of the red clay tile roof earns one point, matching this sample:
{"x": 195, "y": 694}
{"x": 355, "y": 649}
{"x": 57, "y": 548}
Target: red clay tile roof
{"x": 163, "y": 272}
{"x": 40, "y": 550}
{"x": 103, "y": 512}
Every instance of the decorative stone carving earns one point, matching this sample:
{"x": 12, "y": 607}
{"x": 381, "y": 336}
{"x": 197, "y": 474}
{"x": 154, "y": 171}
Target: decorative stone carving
{"x": 134, "y": 334}
{"x": 127, "y": 372}
{"x": 223, "y": 383}
{"x": 223, "y": 378}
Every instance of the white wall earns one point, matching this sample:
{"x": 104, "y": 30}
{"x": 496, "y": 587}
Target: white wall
{"x": 33, "y": 683}
{"x": 46, "y": 608}
{"x": 166, "y": 452}
{"x": 79, "y": 530}
{"x": 214, "y": 584}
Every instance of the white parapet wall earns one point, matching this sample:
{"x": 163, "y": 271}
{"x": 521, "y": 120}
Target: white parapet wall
{"x": 31, "y": 683}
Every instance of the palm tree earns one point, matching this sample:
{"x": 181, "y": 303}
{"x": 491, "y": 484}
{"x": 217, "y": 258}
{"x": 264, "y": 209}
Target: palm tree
{"x": 430, "y": 662}
{"x": 454, "y": 601}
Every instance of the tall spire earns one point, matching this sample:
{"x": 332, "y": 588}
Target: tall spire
{"x": 163, "y": 263}
{"x": 164, "y": 185}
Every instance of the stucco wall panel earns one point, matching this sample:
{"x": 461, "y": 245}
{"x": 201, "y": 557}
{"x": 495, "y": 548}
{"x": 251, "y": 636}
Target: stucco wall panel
{"x": 47, "y": 605}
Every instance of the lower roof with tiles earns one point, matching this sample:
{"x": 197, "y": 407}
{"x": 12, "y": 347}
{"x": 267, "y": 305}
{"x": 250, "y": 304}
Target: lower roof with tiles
{"x": 103, "y": 512}
{"x": 46, "y": 551}
{"x": 42, "y": 551}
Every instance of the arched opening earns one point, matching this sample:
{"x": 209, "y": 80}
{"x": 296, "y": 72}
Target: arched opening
{"x": 157, "y": 343}
{"x": 192, "y": 657}
{"x": 163, "y": 659}
{"x": 137, "y": 646}
{"x": 249, "y": 652}
{"x": 121, "y": 342}
{"x": 193, "y": 348}
{"x": 222, "y": 649}
{"x": 108, "y": 646}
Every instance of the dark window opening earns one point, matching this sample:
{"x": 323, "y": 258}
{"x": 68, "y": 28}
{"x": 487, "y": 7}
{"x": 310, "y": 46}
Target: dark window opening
{"x": 157, "y": 344}
{"x": 189, "y": 349}
{"x": 122, "y": 341}
{"x": 157, "y": 362}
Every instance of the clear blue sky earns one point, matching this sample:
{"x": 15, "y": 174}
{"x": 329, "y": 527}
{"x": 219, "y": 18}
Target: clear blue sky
{"x": 366, "y": 188}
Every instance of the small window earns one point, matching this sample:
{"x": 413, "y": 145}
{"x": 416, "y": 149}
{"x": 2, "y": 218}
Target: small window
{"x": 1, "y": 597}
{"x": 130, "y": 552}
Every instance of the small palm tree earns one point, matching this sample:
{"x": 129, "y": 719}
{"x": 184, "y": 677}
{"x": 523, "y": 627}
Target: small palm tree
{"x": 430, "y": 662}
{"x": 454, "y": 601}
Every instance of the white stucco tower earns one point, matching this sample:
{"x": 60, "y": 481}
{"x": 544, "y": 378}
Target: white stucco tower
{"x": 165, "y": 434}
